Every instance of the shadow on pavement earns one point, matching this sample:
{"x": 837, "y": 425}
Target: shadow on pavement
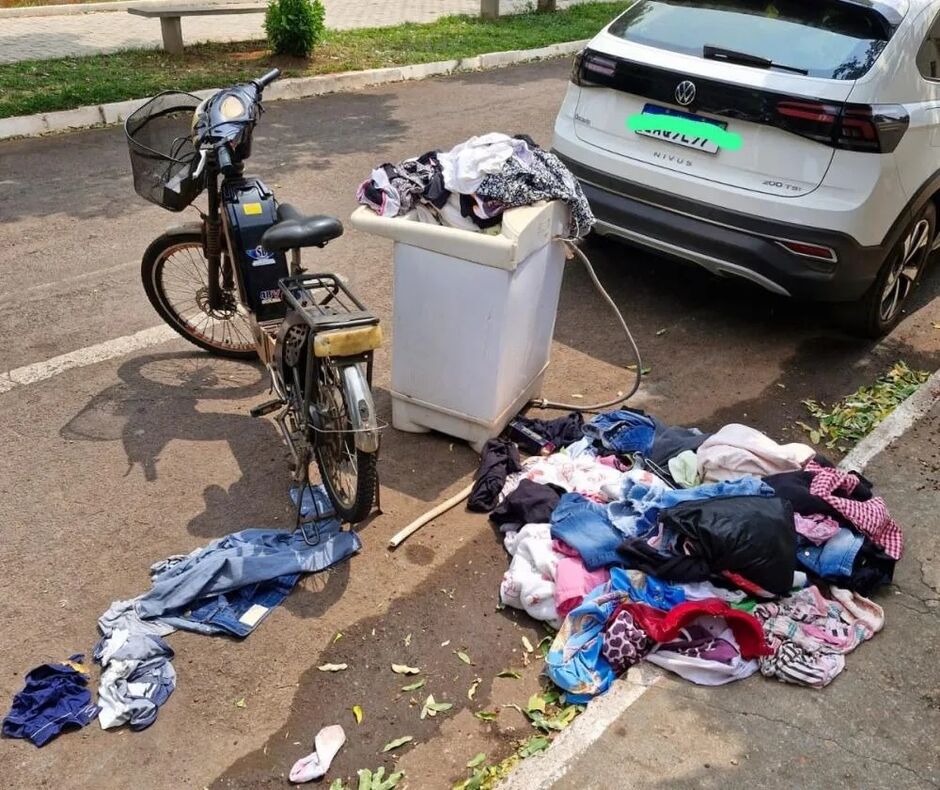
{"x": 168, "y": 397}
{"x": 437, "y": 616}
{"x": 157, "y": 401}
{"x": 682, "y": 317}
{"x": 420, "y": 465}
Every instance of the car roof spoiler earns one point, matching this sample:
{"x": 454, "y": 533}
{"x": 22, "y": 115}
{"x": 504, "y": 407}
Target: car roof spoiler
{"x": 890, "y": 12}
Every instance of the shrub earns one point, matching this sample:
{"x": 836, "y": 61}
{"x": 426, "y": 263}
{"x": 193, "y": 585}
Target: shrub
{"x": 294, "y": 26}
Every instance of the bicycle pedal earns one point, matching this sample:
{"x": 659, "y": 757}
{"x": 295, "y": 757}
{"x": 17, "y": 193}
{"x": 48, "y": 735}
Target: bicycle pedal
{"x": 266, "y": 408}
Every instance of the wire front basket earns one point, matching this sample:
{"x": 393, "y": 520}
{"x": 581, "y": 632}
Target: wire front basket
{"x": 163, "y": 156}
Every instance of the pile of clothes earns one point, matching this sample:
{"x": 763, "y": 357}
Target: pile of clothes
{"x": 470, "y": 186}
{"x": 713, "y": 556}
{"x": 227, "y": 587}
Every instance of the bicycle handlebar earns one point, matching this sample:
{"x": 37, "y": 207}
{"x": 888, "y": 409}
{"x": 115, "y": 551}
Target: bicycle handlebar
{"x": 224, "y": 157}
{"x": 266, "y": 79}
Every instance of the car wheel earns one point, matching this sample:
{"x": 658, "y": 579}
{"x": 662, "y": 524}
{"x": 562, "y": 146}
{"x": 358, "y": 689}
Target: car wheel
{"x": 881, "y": 308}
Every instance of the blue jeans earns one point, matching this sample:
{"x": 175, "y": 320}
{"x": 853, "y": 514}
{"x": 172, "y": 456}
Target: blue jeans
{"x": 638, "y": 511}
{"x": 835, "y": 558}
{"x": 584, "y": 526}
{"x": 241, "y": 610}
{"x": 622, "y": 431}
{"x": 242, "y": 559}
{"x": 236, "y": 613}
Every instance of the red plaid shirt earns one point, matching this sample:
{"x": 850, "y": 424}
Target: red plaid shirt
{"x": 870, "y": 517}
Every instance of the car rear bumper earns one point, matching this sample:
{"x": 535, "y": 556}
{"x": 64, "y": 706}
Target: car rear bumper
{"x": 728, "y": 242}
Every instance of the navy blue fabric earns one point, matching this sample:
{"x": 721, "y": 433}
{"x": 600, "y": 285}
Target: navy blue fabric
{"x": 622, "y": 431}
{"x": 530, "y": 503}
{"x": 54, "y": 698}
{"x": 499, "y": 458}
{"x": 560, "y": 432}
{"x": 584, "y": 526}
{"x": 670, "y": 440}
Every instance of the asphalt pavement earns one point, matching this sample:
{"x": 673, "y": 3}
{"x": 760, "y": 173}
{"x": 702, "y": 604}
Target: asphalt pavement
{"x": 125, "y": 458}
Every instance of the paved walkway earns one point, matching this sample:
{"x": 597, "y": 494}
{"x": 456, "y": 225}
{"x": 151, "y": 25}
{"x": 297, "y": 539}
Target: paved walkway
{"x": 45, "y": 37}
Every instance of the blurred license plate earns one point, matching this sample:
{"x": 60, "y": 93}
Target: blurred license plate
{"x": 698, "y": 143}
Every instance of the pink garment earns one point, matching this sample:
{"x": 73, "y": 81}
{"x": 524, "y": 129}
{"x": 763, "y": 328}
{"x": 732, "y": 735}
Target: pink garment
{"x": 816, "y": 528}
{"x": 870, "y": 516}
{"x": 739, "y": 451}
{"x": 572, "y": 580}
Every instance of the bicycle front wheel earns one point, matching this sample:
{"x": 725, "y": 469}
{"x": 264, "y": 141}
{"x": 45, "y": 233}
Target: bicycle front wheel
{"x": 349, "y": 474}
{"x": 175, "y": 275}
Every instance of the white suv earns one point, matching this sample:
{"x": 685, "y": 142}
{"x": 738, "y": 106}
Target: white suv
{"x": 792, "y": 143}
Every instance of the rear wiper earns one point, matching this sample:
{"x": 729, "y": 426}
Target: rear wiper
{"x": 732, "y": 56}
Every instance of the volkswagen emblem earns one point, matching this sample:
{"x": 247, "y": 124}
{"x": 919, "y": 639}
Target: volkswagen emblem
{"x": 685, "y": 92}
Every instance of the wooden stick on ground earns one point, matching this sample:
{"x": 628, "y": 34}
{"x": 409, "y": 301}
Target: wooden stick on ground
{"x": 432, "y": 514}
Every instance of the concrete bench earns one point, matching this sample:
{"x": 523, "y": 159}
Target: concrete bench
{"x": 171, "y": 18}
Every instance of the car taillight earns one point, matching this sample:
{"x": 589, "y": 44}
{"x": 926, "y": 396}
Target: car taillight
{"x": 854, "y": 127}
{"x": 814, "y": 120}
{"x": 576, "y": 68}
{"x": 877, "y": 128}
{"x": 807, "y": 250}
{"x": 589, "y": 66}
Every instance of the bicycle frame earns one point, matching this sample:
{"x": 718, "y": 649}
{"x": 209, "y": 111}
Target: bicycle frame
{"x": 324, "y": 304}
{"x": 315, "y": 338}
{"x": 224, "y": 267}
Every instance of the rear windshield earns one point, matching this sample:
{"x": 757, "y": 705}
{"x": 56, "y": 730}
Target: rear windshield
{"x": 826, "y": 38}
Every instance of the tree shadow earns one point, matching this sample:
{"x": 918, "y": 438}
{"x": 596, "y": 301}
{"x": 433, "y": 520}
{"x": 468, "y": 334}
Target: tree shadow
{"x": 436, "y": 615}
{"x": 305, "y": 133}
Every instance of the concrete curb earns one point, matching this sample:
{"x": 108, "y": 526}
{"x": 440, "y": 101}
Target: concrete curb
{"x": 297, "y": 88}
{"x": 94, "y": 8}
{"x": 544, "y": 770}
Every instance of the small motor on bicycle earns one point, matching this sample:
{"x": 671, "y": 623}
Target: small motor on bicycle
{"x": 233, "y": 284}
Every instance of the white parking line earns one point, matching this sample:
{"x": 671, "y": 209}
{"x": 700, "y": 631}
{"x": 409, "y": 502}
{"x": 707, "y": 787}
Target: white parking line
{"x": 100, "y": 352}
{"x": 544, "y": 770}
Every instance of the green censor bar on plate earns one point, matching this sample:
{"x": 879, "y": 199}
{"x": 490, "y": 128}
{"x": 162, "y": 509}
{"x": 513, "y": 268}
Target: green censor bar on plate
{"x": 648, "y": 122}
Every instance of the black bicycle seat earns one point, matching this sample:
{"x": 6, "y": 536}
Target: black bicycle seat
{"x": 294, "y": 230}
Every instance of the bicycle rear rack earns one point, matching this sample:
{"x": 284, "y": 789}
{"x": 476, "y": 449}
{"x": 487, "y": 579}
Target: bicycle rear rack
{"x": 325, "y": 302}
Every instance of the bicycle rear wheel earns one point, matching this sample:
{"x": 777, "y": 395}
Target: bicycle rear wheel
{"x": 349, "y": 474}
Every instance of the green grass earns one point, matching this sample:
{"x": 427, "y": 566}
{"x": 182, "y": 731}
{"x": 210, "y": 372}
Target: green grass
{"x": 46, "y": 85}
